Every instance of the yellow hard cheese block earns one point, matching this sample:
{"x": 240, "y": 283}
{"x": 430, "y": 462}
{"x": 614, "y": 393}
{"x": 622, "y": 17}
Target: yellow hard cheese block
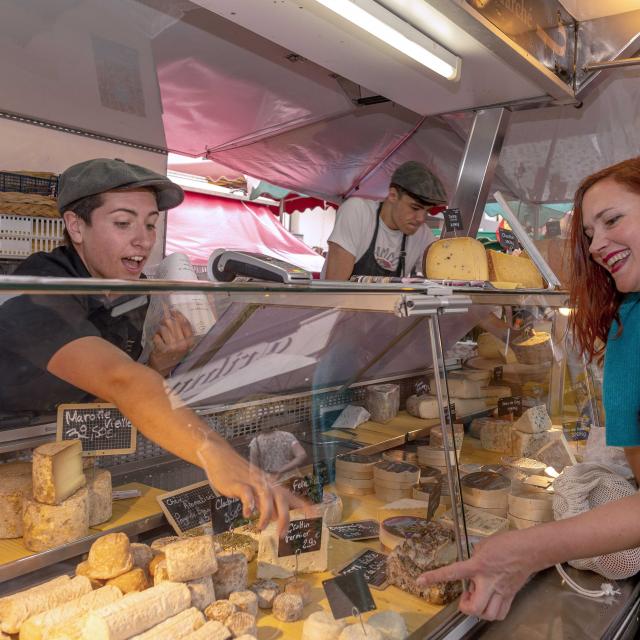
{"x": 457, "y": 259}
{"x": 520, "y": 270}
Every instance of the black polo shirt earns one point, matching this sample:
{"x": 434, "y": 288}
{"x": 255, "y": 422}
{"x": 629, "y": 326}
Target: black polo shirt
{"x": 34, "y": 327}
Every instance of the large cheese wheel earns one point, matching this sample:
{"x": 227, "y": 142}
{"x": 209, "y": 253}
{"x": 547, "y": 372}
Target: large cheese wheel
{"x": 457, "y": 259}
{"x": 13, "y": 490}
{"x": 487, "y": 490}
{"x": 100, "y": 496}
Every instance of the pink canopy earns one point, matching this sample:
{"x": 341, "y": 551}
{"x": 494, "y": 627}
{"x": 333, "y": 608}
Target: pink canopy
{"x": 203, "y": 223}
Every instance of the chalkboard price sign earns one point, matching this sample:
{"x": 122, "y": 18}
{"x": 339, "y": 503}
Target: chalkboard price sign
{"x": 452, "y": 220}
{"x": 302, "y": 536}
{"x": 510, "y": 405}
{"x": 373, "y": 566}
{"x": 307, "y": 487}
{"x": 360, "y": 530}
{"x": 451, "y": 409}
{"x": 347, "y": 593}
{"x": 498, "y": 373}
{"x": 101, "y": 428}
{"x": 188, "y": 510}
{"x": 225, "y": 513}
{"x": 508, "y": 240}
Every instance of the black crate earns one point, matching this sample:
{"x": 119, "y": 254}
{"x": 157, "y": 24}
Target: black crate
{"x": 28, "y": 184}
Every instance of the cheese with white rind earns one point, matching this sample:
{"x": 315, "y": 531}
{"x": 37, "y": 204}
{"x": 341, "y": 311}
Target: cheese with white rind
{"x": 13, "y": 490}
{"x": 241, "y": 622}
{"x": 246, "y": 601}
{"x": 403, "y": 507}
{"x": 299, "y": 587}
{"x": 360, "y": 631}
{"x": 134, "y": 580}
{"x": 525, "y": 445}
{"x": 271, "y": 566}
{"x": 100, "y": 496}
{"x": 495, "y": 435}
{"x": 47, "y": 526}
{"x": 485, "y": 489}
{"x": 38, "y": 626}
{"x": 287, "y": 607}
{"x": 534, "y": 420}
{"x": 266, "y": 591}
{"x": 478, "y": 521}
{"x": 531, "y": 505}
{"x": 57, "y": 471}
{"x": 423, "y": 406}
{"x": 321, "y": 625}
{"x": 190, "y": 558}
{"x": 16, "y": 609}
{"x": 137, "y": 612}
{"x": 457, "y": 259}
{"x": 178, "y": 626}
{"x": 556, "y": 454}
{"x": 390, "y": 624}
{"x": 202, "y": 592}
{"x": 110, "y": 556}
{"x": 211, "y": 630}
{"x": 231, "y": 575}
{"x": 383, "y": 402}
{"x": 527, "y": 466}
{"x": 219, "y": 610}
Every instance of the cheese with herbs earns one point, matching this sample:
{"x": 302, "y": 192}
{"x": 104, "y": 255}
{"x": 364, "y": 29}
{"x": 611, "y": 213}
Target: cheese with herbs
{"x": 457, "y": 259}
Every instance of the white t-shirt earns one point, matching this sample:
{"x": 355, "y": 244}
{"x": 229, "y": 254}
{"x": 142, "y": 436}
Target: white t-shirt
{"x": 353, "y": 231}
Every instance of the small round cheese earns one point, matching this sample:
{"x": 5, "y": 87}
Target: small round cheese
{"x": 134, "y": 580}
{"x": 245, "y": 601}
{"x": 220, "y": 610}
{"x": 390, "y": 624}
{"x": 287, "y": 608}
{"x": 323, "y": 626}
{"x": 240, "y": 623}
{"x": 266, "y": 591}
{"x": 110, "y": 556}
{"x": 360, "y": 631}
{"x": 299, "y": 587}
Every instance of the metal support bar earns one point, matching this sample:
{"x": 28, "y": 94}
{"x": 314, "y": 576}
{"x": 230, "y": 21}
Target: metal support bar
{"x": 611, "y": 64}
{"x": 478, "y": 167}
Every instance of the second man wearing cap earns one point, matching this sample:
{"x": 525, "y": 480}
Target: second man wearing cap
{"x": 386, "y": 238}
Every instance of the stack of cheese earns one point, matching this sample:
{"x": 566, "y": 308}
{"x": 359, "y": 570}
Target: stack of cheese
{"x": 534, "y": 349}
{"x": 528, "y": 507}
{"x": 354, "y": 474}
{"x": 64, "y": 503}
{"x": 394, "y": 480}
{"x": 486, "y": 490}
{"x": 434, "y": 454}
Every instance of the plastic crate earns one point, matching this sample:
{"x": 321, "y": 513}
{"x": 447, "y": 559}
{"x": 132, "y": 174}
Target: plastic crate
{"x": 20, "y": 236}
{"x": 28, "y": 184}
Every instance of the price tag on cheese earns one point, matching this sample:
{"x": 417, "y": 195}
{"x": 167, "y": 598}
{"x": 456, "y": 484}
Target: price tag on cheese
{"x": 373, "y": 566}
{"x": 510, "y": 405}
{"x": 508, "y": 240}
{"x": 188, "y": 510}
{"x": 226, "y": 513}
{"x": 101, "y": 428}
{"x": 308, "y": 487}
{"x": 359, "y": 530}
{"x": 302, "y": 536}
{"x": 453, "y": 220}
{"x": 498, "y": 373}
{"x": 348, "y": 594}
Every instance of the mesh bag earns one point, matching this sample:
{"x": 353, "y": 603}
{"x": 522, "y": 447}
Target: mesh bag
{"x": 583, "y": 487}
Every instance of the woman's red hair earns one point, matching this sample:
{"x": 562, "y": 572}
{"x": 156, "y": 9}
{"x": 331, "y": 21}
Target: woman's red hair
{"x": 592, "y": 293}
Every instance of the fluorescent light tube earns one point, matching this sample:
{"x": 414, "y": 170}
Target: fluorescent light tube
{"x": 383, "y": 24}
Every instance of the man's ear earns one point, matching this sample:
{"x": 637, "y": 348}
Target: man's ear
{"x": 73, "y": 223}
{"x": 393, "y": 195}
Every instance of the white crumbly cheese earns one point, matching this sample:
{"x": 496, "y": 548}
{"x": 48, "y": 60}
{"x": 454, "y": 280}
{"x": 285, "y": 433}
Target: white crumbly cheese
{"x": 403, "y": 507}
{"x": 57, "y": 471}
{"x": 211, "y": 630}
{"x": 38, "y": 626}
{"x": 423, "y": 406}
{"x": 13, "y": 490}
{"x": 360, "y": 631}
{"x": 534, "y": 420}
{"x": 270, "y": 566}
{"x": 46, "y": 526}
{"x": 556, "y": 454}
{"x": 390, "y": 624}
{"x": 16, "y": 609}
{"x": 478, "y": 521}
{"x": 178, "y": 626}
{"x": 202, "y": 592}
{"x": 100, "y": 496}
{"x": 495, "y": 435}
{"x": 137, "y": 612}
{"x": 287, "y": 607}
{"x": 321, "y": 625}
{"x": 190, "y": 558}
{"x": 231, "y": 575}
{"x": 525, "y": 445}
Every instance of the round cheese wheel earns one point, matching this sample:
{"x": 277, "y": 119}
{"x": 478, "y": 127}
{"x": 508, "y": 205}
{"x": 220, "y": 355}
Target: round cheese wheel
{"x": 13, "y": 489}
{"x": 321, "y": 625}
{"x": 485, "y": 489}
{"x": 245, "y": 601}
{"x": 395, "y": 472}
{"x": 349, "y": 490}
{"x": 390, "y": 495}
{"x": 520, "y": 523}
{"x": 287, "y": 607}
{"x": 100, "y": 496}
{"x": 401, "y": 455}
{"x": 353, "y": 465}
{"x": 299, "y": 587}
{"x": 531, "y": 505}
{"x": 394, "y": 531}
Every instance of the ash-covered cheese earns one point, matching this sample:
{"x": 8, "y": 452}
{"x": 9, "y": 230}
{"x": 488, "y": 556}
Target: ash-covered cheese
{"x": 457, "y": 259}
{"x": 142, "y": 555}
{"x": 525, "y": 445}
{"x": 100, "y": 496}
{"x": 534, "y": 420}
{"x": 271, "y": 566}
{"x": 383, "y": 402}
{"x": 556, "y": 454}
{"x": 266, "y": 591}
{"x": 190, "y": 558}
{"x": 287, "y": 607}
{"x": 57, "y": 471}
{"x": 231, "y": 575}
{"x": 495, "y": 434}
{"x": 321, "y": 625}
{"x": 202, "y": 592}
{"x": 47, "y": 526}
{"x": 13, "y": 489}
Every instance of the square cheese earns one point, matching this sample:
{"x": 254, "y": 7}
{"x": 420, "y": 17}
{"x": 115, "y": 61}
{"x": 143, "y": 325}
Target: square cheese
{"x": 57, "y": 471}
{"x": 556, "y": 454}
{"x": 524, "y": 445}
{"x": 534, "y": 420}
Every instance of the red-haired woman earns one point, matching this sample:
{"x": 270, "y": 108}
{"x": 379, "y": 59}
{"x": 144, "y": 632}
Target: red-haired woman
{"x": 605, "y": 295}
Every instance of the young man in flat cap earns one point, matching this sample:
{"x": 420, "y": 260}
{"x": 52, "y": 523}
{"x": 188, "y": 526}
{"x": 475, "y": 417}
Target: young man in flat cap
{"x": 71, "y": 348}
{"x": 386, "y": 238}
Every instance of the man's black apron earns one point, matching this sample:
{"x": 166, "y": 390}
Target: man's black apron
{"x": 369, "y": 266}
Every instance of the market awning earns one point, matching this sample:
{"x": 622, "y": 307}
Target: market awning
{"x": 203, "y": 223}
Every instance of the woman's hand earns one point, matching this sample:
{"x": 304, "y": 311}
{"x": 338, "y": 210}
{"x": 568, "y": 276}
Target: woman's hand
{"x": 172, "y": 341}
{"x": 497, "y": 570}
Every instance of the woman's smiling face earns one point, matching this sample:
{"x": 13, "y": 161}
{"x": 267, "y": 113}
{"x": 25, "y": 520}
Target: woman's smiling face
{"x": 611, "y": 222}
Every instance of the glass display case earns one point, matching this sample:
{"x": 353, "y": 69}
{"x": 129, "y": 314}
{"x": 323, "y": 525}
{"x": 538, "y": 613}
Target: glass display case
{"x": 409, "y": 407}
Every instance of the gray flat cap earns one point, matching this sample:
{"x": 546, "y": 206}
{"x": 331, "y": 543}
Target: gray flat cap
{"x": 415, "y": 178}
{"x": 96, "y": 176}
